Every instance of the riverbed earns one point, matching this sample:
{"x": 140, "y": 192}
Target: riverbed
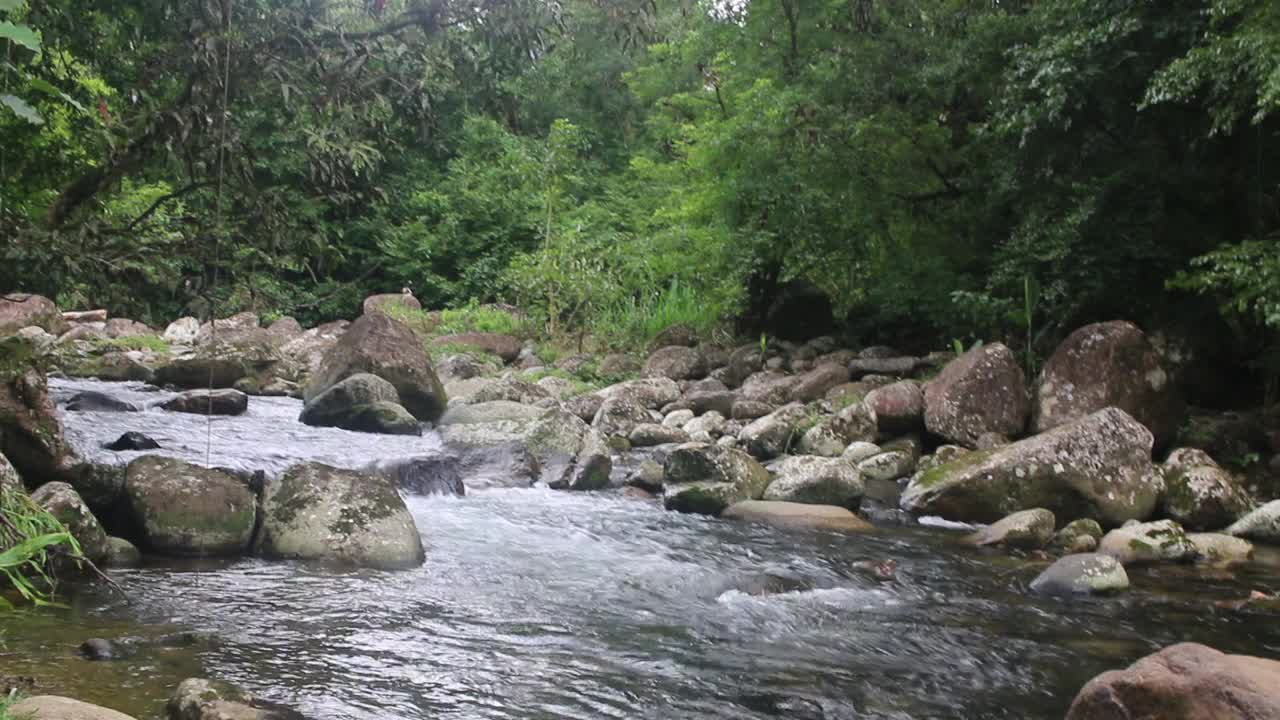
{"x": 538, "y": 604}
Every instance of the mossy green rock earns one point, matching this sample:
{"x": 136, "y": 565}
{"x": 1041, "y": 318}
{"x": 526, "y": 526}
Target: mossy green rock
{"x": 65, "y": 504}
{"x": 317, "y": 512}
{"x": 705, "y": 479}
{"x": 829, "y": 437}
{"x": 1077, "y": 536}
{"x": 1203, "y": 497}
{"x": 378, "y": 345}
{"x": 1221, "y": 549}
{"x": 1098, "y": 466}
{"x": 1159, "y": 541}
{"x": 187, "y": 510}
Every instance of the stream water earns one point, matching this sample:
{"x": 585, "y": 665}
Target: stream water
{"x": 540, "y": 604}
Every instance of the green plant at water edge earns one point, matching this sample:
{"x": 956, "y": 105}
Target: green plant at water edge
{"x": 31, "y": 539}
{"x": 136, "y": 342}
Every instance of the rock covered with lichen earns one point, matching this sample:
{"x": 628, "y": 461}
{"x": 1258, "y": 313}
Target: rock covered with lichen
{"x": 1098, "y": 466}
{"x": 317, "y": 512}
{"x": 1199, "y": 494}
{"x": 187, "y": 510}
{"x": 982, "y": 391}
{"x": 1082, "y": 574}
{"x": 1159, "y": 541}
{"x": 705, "y": 478}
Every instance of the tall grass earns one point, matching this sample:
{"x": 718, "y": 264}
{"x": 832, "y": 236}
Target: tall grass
{"x": 636, "y": 321}
{"x": 469, "y": 319}
{"x": 30, "y": 541}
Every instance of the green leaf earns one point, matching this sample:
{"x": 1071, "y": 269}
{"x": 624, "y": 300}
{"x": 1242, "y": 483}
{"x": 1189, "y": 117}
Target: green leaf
{"x": 47, "y": 87}
{"x": 21, "y": 34}
{"x": 22, "y": 109}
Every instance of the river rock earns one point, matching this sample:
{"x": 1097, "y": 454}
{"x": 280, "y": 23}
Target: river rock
{"x": 773, "y": 435}
{"x": 512, "y": 389}
{"x": 317, "y": 512}
{"x": 506, "y": 347}
{"x": 1202, "y": 496}
{"x": 121, "y": 554}
{"x": 1186, "y": 681}
{"x": 981, "y": 391}
{"x": 646, "y": 476}
{"x": 428, "y": 475}
{"x": 378, "y": 345}
{"x": 815, "y": 384}
{"x": 796, "y": 515}
{"x": 86, "y": 332}
{"x": 1262, "y": 524}
{"x": 93, "y": 401}
{"x": 830, "y": 435}
{"x": 65, "y": 504}
{"x": 383, "y": 418}
{"x": 886, "y": 466}
{"x": 703, "y": 401}
{"x": 8, "y": 475}
{"x": 222, "y": 360}
{"x": 702, "y": 478}
{"x": 338, "y": 405}
{"x": 1098, "y": 466}
{"x": 20, "y": 310}
{"x": 594, "y": 463}
{"x": 898, "y": 407}
{"x": 1109, "y": 364}
{"x": 187, "y": 510}
{"x": 1023, "y": 530}
{"x": 183, "y": 331}
{"x": 816, "y": 480}
{"x": 652, "y": 392}
{"x": 1158, "y": 541}
{"x": 770, "y": 386}
{"x": 677, "y": 418}
{"x": 52, "y": 707}
{"x": 201, "y": 699}
{"x": 650, "y": 434}
{"x": 619, "y": 414}
{"x": 124, "y": 327}
{"x": 301, "y": 357}
{"x": 1220, "y": 548}
{"x": 206, "y": 402}
{"x": 1083, "y": 573}
{"x": 706, "y": 427}
{"x": 894, "y": 367}
{"x": 750, "y": 409}
{"x": 1077, "y": 536}
{"x": 30, "y": 434}
{"x": 511, "y": 445}
{"x": 676, "y": 362}
{"x": 617, "y": 365}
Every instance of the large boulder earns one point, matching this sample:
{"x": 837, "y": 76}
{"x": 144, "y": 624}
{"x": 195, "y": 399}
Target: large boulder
{"x": 65, "y": 504}
{"x": 124, "y": 327}
{"x": 361, "y": 402}
{"x": 816, "y": 480}
{"x": 1108, "y": 364}
{"x": 796, "y": 515}
{"x": 20, "y": 310}
{"x": 30, "y": 435}
{"x": 594, "y": 463}
{"x": 815, "y": 384}
{"x": 511, "y": 445}
{"x": 201, "y": 699}
{"x": 703, "y": 478}
{"x": 53, "y": 707}
{"x": 1199, "y": 494}
{"x": 676, "y": 362}
{"x": 208, "y": 402}
{"x": 187, "y": 510}
{"x": 318, "y": 512}
{"x": 1186, "y": 681}
{"x": 773, "y": 435}
{"x": 899, "y": 407}
{"x": 981, "y": 391}
{"x": 379, "y": 303}
{"x": 1082, "y": 574}
{"x": 769, "y": 386}
{"x": 1098, "y": 466}
{"x": 222, "y": 359}
{"x": 504, "y": 346}
{"x": 378, "y": 345}
{"x": 302, "y": 356}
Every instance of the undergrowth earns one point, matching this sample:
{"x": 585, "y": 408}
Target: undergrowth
{"x": 31, "y": 539}
{"x": 135, "y": 342}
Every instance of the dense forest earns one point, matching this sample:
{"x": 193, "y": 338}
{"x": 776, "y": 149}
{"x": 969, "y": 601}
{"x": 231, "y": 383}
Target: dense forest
{"x": 943, "y": 170}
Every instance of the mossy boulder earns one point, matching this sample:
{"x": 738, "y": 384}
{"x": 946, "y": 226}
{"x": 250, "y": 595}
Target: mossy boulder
{"x": 65, "y": 504}
{"x": 703, "y": 478}
{"x": 380, "y": 346}
{"x": 512, "y": 445}
{"x": 1078, "y": 536}
{"x": 594, "y": 463}
{"x": 1098, "y": 466}
{"x": 1220, "y": 549}
{"x": 187, "y": 510}
{"x": 1199, "y": 494}
{"x": 1158, "y": 541}
{"x": 979, "y": 392}
{"x": 317, "y": 512}
{"x": 816, "y": 480}
{"x": 121, "y": 554}
{"x": 1109, "y": 364}
{"x": 361, "y": 402}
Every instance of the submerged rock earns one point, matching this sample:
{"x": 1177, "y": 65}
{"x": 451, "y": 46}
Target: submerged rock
{"x": 187, "y": 510}
{"x": 1108, "y": 364}
{"x": 702, "y": 478}
{"x": 979, "y": 392}
{"x": 816, "y": 480}
{"x": 318, "y": 512}
{"x": 132, "y": 441}
{"x": 796, "y": 515}
{"x": 1098, "y": 466}
{"x": 1023, "y": 530}
{"x": 1186, "y": 681}
{"x": 1162, "y": 540}
{"x": 1080, "y": 574}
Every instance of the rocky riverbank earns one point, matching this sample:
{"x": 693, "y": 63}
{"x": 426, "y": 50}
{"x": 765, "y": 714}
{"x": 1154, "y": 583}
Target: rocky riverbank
{"x": 1094, "y": 461}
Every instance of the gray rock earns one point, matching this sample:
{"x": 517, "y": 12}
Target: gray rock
{"x": 859, "y": 450}
{"x": 92, "y": 401}
{"x": 721, "y": 401}
{"x": 814, "y": 384}
{"x": 817, "y": 480}
{"x": 886, "y": 466}
{"x": 619, "y": 414}
{"x": 511, "y": 445}
{"x": 650, "y": 434}
{"x": 21, "y": 310}
{"x": 1099, "y": 466}
{"x": 775, "y": 433}
{"x": 701, "y": 478}
{"x": 832, "y": 434}
{"x": 1077, "y": 536}
{"x": 386, "y": 418}
{"x": 898, "y": 407}
{"x": 677, "y": 418}
{"x": 1203, "y": 497}
{"x": 335, "y": 406}
{"x": 429, "y": 475}
{"x": 187, "y": 510}
{"x": 1083, "y": 573}
{"x": 676, "y": 362}
{"x": 1023, "y": 530}
{"x": 1158, "y": 541}
{"x": 201, "y": 699}
{"x": 979, "y": 392}
{"x": 706, "y": 427}
{"x": 318, "y": 512}
{"x": 506, "y": 347}
{"x": 183, "y": 331}
{"x": 772, "y": 387}
{"x": 205, "y": 402}
{"x": 1262, "y": 524}
{"x": 121, "y": 554}
{"x": 647, "y": 476}
{"x": 52, "y": 707}
{"x": 796, "y": 515}
{"x": 893, "y": 367}
{"x": 65, "y": 504}
{"x": 750, "y": 409}
{"x": 1221, "y": 549}
{"x": 594, "y": 463}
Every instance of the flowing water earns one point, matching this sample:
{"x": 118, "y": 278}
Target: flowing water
{"x": 540, "y": 604}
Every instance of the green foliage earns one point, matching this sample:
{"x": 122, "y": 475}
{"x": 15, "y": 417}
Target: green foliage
{"x": 30, "y": 541}
{"x": 136, "y": 342}
{"x": 1245, "y": 277}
